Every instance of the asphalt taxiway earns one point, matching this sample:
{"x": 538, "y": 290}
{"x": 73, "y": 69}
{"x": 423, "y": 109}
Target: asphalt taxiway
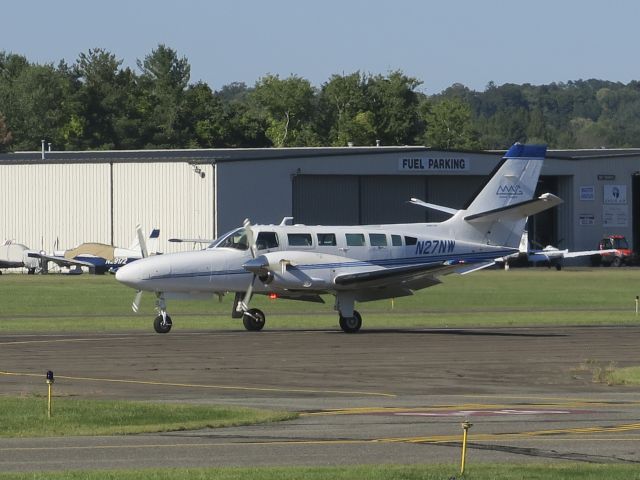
{"x": 379, "y": 396}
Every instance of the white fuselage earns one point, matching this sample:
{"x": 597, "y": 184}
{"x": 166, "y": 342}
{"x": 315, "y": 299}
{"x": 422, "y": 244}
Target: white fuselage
{"x": 303, "y": 257}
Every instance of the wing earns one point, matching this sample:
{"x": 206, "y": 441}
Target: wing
{"x": 63, "y": 262}
{"x": 396, "y": 282}
{"x": 587, "y": 252}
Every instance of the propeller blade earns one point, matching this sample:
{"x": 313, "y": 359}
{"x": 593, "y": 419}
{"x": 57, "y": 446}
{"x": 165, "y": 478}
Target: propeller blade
{"x": 142, "y": 241}
{"x": 135, "y": 306}
{"x": 250, "y": 236}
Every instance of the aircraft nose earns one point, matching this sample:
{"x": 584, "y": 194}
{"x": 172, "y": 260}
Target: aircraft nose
{"x": 130, "y": 275}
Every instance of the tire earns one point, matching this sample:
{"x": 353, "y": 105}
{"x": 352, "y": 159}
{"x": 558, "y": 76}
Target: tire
{"x": 161, "y": 326}
{"x": 351, "y": 324}
{"x": 253, "y": 320}
{"x": 617, "y": 262}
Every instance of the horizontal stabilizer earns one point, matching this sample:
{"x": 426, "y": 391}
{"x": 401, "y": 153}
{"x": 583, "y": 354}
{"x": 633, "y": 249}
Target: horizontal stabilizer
{"x": 433, "y": 206}
{"x": 517, "y": 210}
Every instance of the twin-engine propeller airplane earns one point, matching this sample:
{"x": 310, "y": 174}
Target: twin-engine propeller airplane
{"x": 356, "y": 263}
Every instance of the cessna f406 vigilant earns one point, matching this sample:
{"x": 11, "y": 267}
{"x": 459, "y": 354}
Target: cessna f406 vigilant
{"x": 355, "y": 263}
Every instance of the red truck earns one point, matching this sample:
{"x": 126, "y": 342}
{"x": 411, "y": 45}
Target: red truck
{"x": 622, "y": 255}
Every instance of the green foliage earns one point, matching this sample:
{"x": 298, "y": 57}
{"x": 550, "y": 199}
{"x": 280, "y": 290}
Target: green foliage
{"x": 6, "y": 137}
{"x": 449, "y": 126}
{"x": 97, "y": 104}
{"x": 289, "y": 108}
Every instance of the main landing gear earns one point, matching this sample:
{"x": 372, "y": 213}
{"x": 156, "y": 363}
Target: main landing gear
{"x": 351, "y": 324}
{"x": 253, "y": 319}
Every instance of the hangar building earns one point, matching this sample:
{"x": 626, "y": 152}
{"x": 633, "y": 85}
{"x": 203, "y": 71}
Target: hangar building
{"x": 56, "y": 200}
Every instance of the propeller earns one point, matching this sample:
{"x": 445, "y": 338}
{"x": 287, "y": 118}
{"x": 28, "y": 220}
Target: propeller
{"x": 244, "y": 304}
{"x": 135, "y": 306}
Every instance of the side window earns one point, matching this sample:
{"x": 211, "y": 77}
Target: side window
{"x": 396, "y": 240}
{"x": 410, "y": 240}
{"x": 378, "y": 239}
{"x": 355, "y": 239}
{"x": 326, "y": 239}
{"x": 299, "y": 239}
{"x": 267, "y": 240}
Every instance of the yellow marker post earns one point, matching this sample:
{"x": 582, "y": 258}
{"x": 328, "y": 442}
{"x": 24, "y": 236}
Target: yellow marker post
{"x": 50, "y": 381}
{"x": 465, "y": 427}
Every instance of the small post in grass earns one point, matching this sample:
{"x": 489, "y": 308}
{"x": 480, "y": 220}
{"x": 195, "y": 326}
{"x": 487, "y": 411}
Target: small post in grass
{"x": 465, "y": 427}
{"x": 50, "y": 381}
{"x": 637, "y": 300}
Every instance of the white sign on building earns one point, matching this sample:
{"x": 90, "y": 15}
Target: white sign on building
{"x": 615, "y": 194}
{"x": 615, "y": 215}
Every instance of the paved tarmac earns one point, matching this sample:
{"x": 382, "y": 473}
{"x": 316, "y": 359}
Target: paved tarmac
{"x": 380, "y": 396}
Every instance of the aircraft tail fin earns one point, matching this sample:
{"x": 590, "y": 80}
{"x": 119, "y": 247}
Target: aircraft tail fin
{"x": 152, "y": 242}
{"x": 498, "y": 214}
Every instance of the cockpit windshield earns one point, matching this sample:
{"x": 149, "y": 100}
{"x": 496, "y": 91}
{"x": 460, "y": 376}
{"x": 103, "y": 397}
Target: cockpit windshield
{"x": 620, "y": 243}
{"x": 235, "y": 239}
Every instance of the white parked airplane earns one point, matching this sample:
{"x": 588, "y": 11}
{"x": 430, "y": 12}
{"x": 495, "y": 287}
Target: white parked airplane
{"x": 16, "y": 255}
{"x": 355, "y": 263}
{"x": 549, "y": 254}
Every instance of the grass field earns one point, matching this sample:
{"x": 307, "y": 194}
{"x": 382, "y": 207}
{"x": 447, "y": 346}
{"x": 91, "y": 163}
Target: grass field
{"x": 519, "y": 297}
{"x": 374, "y": 472}
{"x": 27, "y": 417}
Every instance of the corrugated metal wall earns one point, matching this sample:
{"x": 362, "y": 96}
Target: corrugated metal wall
{"x": 452, "y": 192}
{"x": 383, "y": 199}
{"x": 375, "y": 199}
{"x": 45, "y": 204}
{"x": 170, "y": 196}
{"x": 565, "y": 220}
{"x": 326, "y": 199}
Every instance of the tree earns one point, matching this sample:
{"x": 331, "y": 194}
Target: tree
{"x": 289, "y": 107}
{"x": 164, "y": 80}
{"x": 393, "y": 102}
{"x": 345, "y": 111}
{"x": 449, "y": 126}
{"x": 33, "y": 99}
{"x": 6, "y": 137}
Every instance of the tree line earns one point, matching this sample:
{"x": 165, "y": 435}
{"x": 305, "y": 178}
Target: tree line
{"x": 96, "y": 103}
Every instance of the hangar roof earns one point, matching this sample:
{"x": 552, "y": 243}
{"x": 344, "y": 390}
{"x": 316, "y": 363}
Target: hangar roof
{"x": 219, "y": 155}
{"x": 216, "y": 155}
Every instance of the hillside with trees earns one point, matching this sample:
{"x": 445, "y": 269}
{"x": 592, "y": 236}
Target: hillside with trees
{"x": 96, "y": 103}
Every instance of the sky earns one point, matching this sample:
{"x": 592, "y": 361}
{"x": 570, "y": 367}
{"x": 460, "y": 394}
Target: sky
{"x": 439, "y": 43}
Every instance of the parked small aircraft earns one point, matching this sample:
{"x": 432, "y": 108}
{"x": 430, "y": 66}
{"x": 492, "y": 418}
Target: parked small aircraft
{"x": 101, "y": 258}
{"x": 549, "y": 254}
{"x": 16, "y": 255}
{"x": 356, "y": 263}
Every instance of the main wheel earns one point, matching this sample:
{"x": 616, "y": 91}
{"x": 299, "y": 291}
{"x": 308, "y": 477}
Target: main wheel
{"x": 162, "y": 325}
{"x": 351, "y": 324}
{"x": 253, "y": 320}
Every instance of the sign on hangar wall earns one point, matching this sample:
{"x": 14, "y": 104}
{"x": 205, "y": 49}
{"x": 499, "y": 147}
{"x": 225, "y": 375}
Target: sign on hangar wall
{"x": 433, "y": 164}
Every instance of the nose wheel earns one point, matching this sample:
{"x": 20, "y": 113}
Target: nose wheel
{"x": 162, "y": 323}
{"x": 351, "y": 324}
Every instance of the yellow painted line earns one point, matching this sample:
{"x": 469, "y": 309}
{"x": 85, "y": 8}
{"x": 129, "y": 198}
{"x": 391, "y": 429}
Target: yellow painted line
{"x": 468, "y": 406}
{"x": 216, "y": 387}
{"x": 551, "y": 399}
{"x": 436, "y": 439}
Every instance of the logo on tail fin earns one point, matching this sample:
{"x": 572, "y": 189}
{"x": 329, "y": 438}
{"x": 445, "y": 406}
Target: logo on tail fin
{"x": 509, "y": 191}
